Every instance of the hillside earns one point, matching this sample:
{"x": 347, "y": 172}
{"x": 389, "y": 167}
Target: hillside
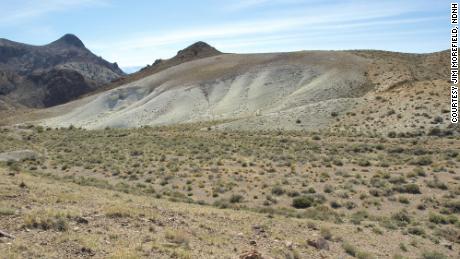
{"x": 52, "y": 74}
{"x": 195, "y": 51}
{"x": 181, "y": 192}
{"x": 306, "y": 90}
{"x": 311, "y": 154}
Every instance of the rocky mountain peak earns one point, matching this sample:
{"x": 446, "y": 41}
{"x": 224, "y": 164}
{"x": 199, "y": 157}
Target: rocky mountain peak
{"x": 69, "y": 40}
{"x": 198, "y": 49}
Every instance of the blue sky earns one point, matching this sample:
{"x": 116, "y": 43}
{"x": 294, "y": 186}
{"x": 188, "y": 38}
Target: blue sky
{"x": 135, "y": 33}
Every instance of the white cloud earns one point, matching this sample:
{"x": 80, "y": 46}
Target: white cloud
{"x": 319, "y": 20}
{"x": 246, "y": 4}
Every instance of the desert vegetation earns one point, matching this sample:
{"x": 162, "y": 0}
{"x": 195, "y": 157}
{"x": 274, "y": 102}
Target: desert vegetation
{"x": 331, "y": 191}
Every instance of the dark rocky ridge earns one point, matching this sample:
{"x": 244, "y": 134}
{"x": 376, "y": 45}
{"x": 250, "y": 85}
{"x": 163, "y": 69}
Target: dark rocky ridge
{"x": 52, "y": 74}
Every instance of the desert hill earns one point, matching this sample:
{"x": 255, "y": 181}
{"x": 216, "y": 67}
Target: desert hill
{"x": 296, "y": 91}
{"x": 52, "y": 74}
{"x": 195, "y": 51}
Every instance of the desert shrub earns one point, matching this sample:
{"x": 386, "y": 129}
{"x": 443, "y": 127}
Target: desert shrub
{"x": 6, "y": 211}
{"x": 278, "y": 190}
{"x": 407, "y": 188}
{"x": 437, "y": 184}
{"x": 302, "y": 202}
{"x": 403, "y": 200}
{"x": 416, "y": 231}
{"x": 364, "y": 163}
{"x": 353, "y": 251}
{"x": 328, "y": 188}
{"x": 392, "y": 134}
{"x": 322, "y": 213}
{"x": 433, "y": 255}
{"x": 236, "y": 198}
{"x": 117, "y": 211}
{"x": 453, "y": 205}
{"x": 176, "y": 236}
{"x": 419, "y": 171}
{"x": 350, "y": 205}
{"x": 397, "y": 179}
{"x": 350, "y": 249}
{"x": 326, "y": 233}
{"x": 437, "y": 218}
{"x": 221, "y": 204}
{"x": 293, "y": 194}
{"x": 335, "y": 204}
{"x": 401, "y": 218}
{"x": 13, "y": 165}
{"x": 422, "y": 161}
{"x": 359, "y": 216}
{"x": 47, "y": 220}
{"x": 435, "y": 131}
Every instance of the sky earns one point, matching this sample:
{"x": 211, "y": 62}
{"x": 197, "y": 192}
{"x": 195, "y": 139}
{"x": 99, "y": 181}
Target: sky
{"x": 136, "y": 33}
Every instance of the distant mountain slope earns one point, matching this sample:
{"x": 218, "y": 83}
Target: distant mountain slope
{"x": 195, "y": 51}
{"x": 43, "y": 76}
{"x": 299, "y": 90}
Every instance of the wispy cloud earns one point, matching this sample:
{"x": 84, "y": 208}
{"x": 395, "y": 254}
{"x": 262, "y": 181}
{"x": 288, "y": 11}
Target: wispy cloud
{"x": 315, "y": 19}
{"x": 18, "y": 12}
{"x": 246, "y": 4}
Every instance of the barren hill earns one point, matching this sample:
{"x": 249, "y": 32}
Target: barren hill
{"x": 52, "y": 74}
{"x": 195, "y": 51}
{"x": 298, "y": 90}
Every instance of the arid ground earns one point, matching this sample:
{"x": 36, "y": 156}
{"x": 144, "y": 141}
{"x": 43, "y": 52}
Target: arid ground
{"x": 192, "y": 191}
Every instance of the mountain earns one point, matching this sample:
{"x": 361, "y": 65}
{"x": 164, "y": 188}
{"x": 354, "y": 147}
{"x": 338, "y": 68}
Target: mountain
{"x": 195, "y": 51}
{"x": 52, "y": 74}
{"x": 308, "y": 90}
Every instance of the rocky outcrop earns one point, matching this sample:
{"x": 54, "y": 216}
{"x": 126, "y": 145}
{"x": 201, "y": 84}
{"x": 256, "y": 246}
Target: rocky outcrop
{"x": 52, "y": 74}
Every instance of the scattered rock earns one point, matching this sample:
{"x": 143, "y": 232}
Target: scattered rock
{"x": 4, "y": 234}
{"x": 289, "y": 244}
{"x": 253, "y": 242}
{"x": 81, "y": 220}
{"x": 18, "y": 155}
{"x": 251, "y": 255}
{"x": 320, "y": 244}
{"x": 85, "y": 251}
{"x": 258, "y": 229}
{"x": 447, "y": 244}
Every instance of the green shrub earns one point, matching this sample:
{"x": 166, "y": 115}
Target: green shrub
{"x": 416, "y": 231}
{"x": 6, "y": 211}
{"x": 278, "y": 190}
{"x": 46, "y": 220}
{"x": 402, "y": 218}
{"x": 236, "y": 198}
{"x": 433, "y": 255}
{"x": 423, "y": 161}
{"x": 407, "y": 188}
{"x": 302, "y": 202}
{"x": 350, "y": 249}
{"x": 437, "y": 218}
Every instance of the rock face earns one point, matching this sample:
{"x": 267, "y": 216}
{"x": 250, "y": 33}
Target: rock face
{"x": 43, "y": 76}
